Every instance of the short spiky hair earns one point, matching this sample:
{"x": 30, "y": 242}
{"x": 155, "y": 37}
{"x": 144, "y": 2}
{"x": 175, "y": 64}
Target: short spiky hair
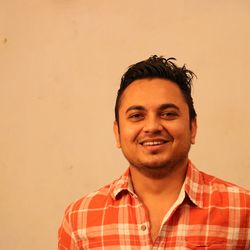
{"x": 158, "y": 67}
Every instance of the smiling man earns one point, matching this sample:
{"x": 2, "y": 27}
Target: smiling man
{"x": 162, "y": 201}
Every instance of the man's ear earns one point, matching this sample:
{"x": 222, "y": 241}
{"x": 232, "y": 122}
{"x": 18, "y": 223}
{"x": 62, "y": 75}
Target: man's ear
{"x": 117, "y": 134}
{"x": 193, "y": 130}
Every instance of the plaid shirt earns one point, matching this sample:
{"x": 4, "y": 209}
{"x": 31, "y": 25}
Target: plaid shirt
{"x": 209, "y": 214}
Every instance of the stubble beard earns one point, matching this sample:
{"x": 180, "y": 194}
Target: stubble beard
{"x": 161, "y": 169}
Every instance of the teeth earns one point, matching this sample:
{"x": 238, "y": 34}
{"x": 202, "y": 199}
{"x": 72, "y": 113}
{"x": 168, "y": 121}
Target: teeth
{"x": 151, "y": 143}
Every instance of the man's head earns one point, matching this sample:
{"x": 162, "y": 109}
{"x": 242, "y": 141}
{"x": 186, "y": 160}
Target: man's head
{"x": 158, "y": 67}
{"x": 155, "y": 118}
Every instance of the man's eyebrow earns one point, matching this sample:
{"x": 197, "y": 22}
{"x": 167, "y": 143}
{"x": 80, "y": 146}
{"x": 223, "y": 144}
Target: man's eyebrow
{"x": 161, "y": 107}
{"x": 168, "y": 105}
{"x": 135, "y": 107}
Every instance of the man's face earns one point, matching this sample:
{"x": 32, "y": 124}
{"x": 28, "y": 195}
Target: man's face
{"x": 154, "y": 129}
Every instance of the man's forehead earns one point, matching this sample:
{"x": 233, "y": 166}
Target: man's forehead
{"x": 151, "y": 85}
{"x": 159, "y": 107}
{"x": 156, "y": 92}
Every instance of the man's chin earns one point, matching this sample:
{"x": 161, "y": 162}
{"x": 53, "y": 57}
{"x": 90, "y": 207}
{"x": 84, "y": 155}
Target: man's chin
{"x": 154, "y": 170}
{"x": 155, "y": 164}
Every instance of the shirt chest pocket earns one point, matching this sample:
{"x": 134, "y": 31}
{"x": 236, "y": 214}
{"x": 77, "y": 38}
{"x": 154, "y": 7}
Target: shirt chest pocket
{"x": 212, "y": 245}
{"x": 209, "y": 246}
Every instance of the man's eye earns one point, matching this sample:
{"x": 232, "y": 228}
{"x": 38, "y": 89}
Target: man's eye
{"x": 136, "y": 116}
{"x": 169, "y": 115}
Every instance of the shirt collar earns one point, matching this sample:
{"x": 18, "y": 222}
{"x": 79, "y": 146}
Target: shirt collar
{"x": 123, "y": 184}
{"x": 193, "y": 185}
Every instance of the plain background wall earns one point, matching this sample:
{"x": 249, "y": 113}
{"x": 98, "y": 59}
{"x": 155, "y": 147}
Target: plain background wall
{"x": 60, "y": 66}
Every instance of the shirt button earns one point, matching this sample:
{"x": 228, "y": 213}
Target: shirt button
{"x": 143, "y": 227}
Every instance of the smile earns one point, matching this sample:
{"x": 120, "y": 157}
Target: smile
{"x": 153, "y": 143}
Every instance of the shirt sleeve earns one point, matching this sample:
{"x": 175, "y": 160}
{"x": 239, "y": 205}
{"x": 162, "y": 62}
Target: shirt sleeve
{"x": 65, "y": 235}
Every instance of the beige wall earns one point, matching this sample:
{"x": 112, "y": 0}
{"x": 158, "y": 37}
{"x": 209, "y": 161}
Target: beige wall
{"x": 60, "y": 65}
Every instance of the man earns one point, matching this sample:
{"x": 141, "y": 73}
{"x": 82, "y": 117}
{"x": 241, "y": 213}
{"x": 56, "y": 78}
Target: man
{"x": 162, "y": 201}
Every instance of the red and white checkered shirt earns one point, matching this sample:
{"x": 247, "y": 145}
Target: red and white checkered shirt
{"x": 209, "y": 214}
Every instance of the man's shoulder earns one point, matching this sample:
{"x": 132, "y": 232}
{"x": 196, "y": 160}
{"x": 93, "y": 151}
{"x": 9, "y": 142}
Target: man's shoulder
{"x": 227, "y": 193}
{"x": 92, "y": 200}
{"x": 207, "y": 190}
{"x": 101, "y": 198}
{"x": 218, "y": 184}
{"x": 213, "y": 183}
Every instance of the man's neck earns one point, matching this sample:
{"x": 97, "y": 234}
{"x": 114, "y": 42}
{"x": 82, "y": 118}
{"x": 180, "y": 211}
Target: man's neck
{"x": 169, "y": 184}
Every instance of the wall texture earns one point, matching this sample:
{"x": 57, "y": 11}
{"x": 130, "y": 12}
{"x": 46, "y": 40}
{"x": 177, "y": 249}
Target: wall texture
{"x": 60, "y": 65}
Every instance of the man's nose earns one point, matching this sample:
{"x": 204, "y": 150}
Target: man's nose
{"x": 152, "y": 125}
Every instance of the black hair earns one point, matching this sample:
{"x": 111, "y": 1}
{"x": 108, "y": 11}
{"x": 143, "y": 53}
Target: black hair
{"x": 158, "y": 67}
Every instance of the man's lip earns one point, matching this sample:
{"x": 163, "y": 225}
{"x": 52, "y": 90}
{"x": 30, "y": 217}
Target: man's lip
{"x": 153, "y": 142}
